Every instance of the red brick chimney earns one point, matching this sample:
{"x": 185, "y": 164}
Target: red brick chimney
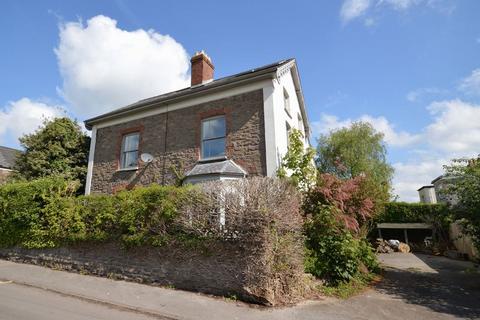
{"x": 202, "y": 68}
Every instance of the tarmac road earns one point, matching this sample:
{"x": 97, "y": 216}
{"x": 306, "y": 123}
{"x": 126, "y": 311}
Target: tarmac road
{"x": 18, "y": 302}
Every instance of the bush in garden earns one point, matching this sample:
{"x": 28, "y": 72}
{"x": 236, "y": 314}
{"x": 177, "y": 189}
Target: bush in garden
{"x": 398, "y": 212}
{"x": 33, "y": 214}
{"x": 337, "y": 251}
{"x": 45, "y": 213}
{"x": 148, "y": 215}
{"x": 262, "y": 216}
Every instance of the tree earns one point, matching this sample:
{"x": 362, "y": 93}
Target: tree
{"x": 58, "y": 147}
{"x": 357, "y": 151}
{"x": 298, "y": 164}
{"x": 466, "y": 191}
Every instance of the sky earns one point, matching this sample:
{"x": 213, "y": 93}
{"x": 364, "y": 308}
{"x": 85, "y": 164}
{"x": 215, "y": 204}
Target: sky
{"x": 411, "y": 68}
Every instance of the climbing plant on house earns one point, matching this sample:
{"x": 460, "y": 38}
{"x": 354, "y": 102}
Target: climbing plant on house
{"x": 298, "y": 164}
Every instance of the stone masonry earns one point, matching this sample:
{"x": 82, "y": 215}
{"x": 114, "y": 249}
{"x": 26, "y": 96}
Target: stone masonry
{"x": 173, "y": 138}
{"x": 219, "y": 271}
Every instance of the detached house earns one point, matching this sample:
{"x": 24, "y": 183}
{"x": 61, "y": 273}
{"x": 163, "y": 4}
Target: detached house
{"x": 228, "y": 128}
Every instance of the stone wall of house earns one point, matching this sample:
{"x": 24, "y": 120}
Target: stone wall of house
{"x": 221, "y": 268}
{"x": 173, "y": 138}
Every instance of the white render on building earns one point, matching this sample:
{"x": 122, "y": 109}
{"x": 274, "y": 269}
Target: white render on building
{"x": 427, "y": 194}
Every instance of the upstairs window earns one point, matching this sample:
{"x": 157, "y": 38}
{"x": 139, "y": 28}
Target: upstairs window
{"x": 286, "y": 102}
{"x": 300, "y": 123}
{"x": 129, "y": 155}
{"x": 289, "y": 130}
{"x": 213, "y": 137}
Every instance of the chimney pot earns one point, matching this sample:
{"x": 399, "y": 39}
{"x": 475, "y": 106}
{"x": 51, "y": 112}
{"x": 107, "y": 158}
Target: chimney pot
{"x": 202, "y": 68}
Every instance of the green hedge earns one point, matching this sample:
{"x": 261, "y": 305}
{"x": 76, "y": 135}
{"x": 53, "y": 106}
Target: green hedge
{"x": 397, "y": 212}
{"x": 45, "y": 213}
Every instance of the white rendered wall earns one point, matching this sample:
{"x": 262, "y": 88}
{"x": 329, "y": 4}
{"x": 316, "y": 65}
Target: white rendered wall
{"x": 281, "y": 117}
{"x": 427, "y": 195}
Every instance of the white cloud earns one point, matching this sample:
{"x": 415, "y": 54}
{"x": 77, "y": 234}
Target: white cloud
{"x": 471, "y": 84}
{"x": 400, "y": 4}
{"x": 369, "y": 22}
{"x": 418, "y": 94}
{"x": 105, "y": 67}
{"x": 381, "y": 124}
{"x": 24, "y": 116}
{"x": 352, "y": 9}
{"x": 456, "y": 127}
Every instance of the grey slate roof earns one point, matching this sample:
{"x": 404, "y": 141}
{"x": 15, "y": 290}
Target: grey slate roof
{"x": 266, "y": 70}
{"x": 225, "y": 167}
{"x": 7, "y": 157}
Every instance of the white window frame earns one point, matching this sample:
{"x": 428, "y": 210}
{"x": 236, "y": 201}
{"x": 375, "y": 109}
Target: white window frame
{"x": 123, "y": 152}
{"x": 300, "y": 123}
{"x": 216, "y": 138}
{"x": 288, "y": 129}
{"x": 286, "y": 102}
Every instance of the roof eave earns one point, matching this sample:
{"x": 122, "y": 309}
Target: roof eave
{"x": 301, "y": 100}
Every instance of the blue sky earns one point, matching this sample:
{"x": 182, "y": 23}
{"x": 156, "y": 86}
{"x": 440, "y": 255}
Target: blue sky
{"x": 409, "y": 67}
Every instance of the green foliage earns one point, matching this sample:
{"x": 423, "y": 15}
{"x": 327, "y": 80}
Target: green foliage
{"x": 336, "y": 248}
{"x": 333, "y": 253}
{"x": 45, "y": 213}
{"x": 147, "y": 214}
{"x": 398, "y": 212}
{"x": 100, "y": 216}
{"x": 357, "y": 151}
{"x": 466, "y": 188}
{"x": 59, "y": 147}
{"x": 37, "y": 213}
{"x": 297, "y": 164}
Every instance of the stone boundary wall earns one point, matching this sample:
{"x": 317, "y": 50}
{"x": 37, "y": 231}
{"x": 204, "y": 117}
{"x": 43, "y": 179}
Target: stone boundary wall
{"x": 462, "y": 242}
{"x": 220, "y": 268}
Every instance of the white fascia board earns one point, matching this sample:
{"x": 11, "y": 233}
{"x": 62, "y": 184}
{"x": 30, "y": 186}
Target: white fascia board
{"x": 91, "y": 157}
{"x": 164, "y": 107}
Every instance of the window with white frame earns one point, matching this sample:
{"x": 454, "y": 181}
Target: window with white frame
{"x": 300, "y": 123}
{"x": 289, "y": 130}
{"x": 286, "y": 101}
{"x": 129, "y": 154}
{"x": 213, "y": 137}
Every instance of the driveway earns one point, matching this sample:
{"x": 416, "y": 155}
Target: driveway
{"x": 434, "y": 284}
{"x": 414, "y": 287}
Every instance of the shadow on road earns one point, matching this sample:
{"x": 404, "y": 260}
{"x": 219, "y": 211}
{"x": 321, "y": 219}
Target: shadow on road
{"x": 453, "y": 289}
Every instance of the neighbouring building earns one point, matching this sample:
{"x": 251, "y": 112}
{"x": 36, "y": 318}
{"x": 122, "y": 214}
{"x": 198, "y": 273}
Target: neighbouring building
{"x": 228, "y": 128}
{"x": 442, "y": 192}
{"x": 427, "y": 194}
{"x": 7, "y": 161}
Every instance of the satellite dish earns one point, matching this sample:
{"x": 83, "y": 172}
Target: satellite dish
{"x": 146, "y": 157}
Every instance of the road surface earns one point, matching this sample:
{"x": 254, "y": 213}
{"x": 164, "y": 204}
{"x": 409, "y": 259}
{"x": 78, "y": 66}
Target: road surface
{"x": 18, "y": 302}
